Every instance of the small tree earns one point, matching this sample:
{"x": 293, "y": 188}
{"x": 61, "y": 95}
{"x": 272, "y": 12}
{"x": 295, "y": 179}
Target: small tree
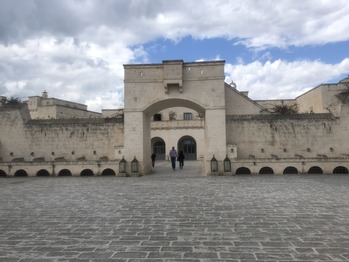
{"x": 172, "y": 115}
{"x": 12, "y": 102}
{"x": 285, "y": 109}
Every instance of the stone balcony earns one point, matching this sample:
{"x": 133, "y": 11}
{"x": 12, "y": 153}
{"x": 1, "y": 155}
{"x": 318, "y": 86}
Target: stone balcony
{"x": 178, "y": 124}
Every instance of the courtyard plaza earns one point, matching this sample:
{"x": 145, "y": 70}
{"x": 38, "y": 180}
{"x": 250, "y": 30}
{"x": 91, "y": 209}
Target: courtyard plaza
{"x": 175, "y": 216}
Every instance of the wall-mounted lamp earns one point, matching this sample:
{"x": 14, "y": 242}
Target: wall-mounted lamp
{"x": 122, "y": 165}
{"x": 227, "y": 164}
{"x": 214, "y": 164}
{"x": 134, "y": 165}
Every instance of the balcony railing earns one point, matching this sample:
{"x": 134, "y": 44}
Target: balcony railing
{"x": 178, "y": 124}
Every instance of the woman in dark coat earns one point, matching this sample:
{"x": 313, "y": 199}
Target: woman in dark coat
{"x": 181, "y": 158}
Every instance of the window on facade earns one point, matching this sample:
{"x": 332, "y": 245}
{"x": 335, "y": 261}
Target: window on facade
{"x": 187, "y": 116}
{"x": 157, "y": 117}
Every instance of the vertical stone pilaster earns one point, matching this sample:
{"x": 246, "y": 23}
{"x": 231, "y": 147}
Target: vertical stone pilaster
{"x": 215, "y": 137}
{"x": 137, "y": 139}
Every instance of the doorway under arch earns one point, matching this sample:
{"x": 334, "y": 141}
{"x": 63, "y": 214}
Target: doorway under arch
{"x": 266, "y": 171}
{"x": 340, "y": 170}
{"x": 108, "y": 172}
{"x": 315, "y": 170}
{"x": 42, "y": 172}
{"x": 159, "y": 148}
{"x": 188, "y": 145}
{"x": 290, "y": 170}
{"x": 3, "y": 173}
{"x": 65, "y": 172}
{"x": 21, "y": 172}
{"x": 243, "y": 171}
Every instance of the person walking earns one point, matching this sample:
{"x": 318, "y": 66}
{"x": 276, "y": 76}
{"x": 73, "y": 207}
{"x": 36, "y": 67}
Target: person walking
{"x": 181, "y": 158}
{"x": 173, "y": 156}
{"x": 153, "y": 157}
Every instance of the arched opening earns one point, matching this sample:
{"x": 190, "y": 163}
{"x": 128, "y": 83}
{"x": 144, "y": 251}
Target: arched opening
{"x": 145, "y": 115}
{"x": 3, "y": 173}
{"x": 188, "y": 145}
{"x": 243, "y": 171}
{"x": 21, "y": 172}
{"x": 64, "y": 172}
{"x": 315, "y": 170}
{"x": 290, "y": 170}
{"x": 108, "y": 172}
{"x": 340, "y": 170}
{"x": 87, "y": 172}
{"x": 159, "y": 148}
{"x": 42, "y": 172}
{"x": 266, "y": 171}
{"x": 173, "y": 102}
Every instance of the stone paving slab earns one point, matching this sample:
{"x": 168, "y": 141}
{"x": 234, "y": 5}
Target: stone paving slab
{"x": 175, "y": 216}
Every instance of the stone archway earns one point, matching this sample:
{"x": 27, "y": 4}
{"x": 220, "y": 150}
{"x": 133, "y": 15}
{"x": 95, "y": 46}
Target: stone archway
{"x": 154, "y": 87}
{"x": 42, "y": 172}
{"x": 243, "y": 171}
{"x": 315, "y": 170}
{"x": 290, "y": 170}
{"x": 266, "y": 171}
{"x": 159, "y": 148}
{"x": 21, "y": 173}
{"x": 340, "y": 170}
{"x": 188, "y": 144}
{"x": 3, "y": 173}
{"x": 65, "y": 172}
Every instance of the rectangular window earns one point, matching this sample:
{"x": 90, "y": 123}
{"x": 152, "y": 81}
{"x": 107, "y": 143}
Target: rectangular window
{"x": 187, "y": 116}
{"x": 157, "y": 117}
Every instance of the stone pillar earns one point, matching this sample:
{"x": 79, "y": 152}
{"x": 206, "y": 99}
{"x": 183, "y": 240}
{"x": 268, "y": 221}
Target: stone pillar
{"x": 137, "y": 140}
{"x": 215, "y": 136}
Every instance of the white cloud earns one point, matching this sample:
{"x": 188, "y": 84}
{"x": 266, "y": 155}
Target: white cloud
{"x": 281, "y": 79}
{"x": 254, "y": 23}
{"x": 67, "y": 71}
{"x": 76, "y": 49}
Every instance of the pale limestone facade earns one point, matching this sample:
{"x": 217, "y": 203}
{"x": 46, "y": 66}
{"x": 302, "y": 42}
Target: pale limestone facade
{"x": 185, "y": 105}
{"x": 43, "y": 107}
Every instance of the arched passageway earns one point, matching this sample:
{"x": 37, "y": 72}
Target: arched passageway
{"x": 243, "y": 171}
{"x": 3, "y": 173}
{"x": 188, "y": 145}
{"x": 340, "y": 170}
{"x": 42, "y": 172}
{"x": 266, "y": 171}
{"x": 64, "y": 172}
{"x": 21, "y": 172}
{"x": 108, "y": 172}
{"x": 87, "y": 172}
{"x": 159, "y": 148}
{"x": 290, "y": 170}
{"x": 315, "y": 170}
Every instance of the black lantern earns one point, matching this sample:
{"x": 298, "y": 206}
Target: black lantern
{"x": 134, "y": 165}
{"x": 122, "y": 165}
{"x": 227, "y": 164}
{"x": 214, "y": 164}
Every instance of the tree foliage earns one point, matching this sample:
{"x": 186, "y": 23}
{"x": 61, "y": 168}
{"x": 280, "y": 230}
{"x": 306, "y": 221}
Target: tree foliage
{"x": 285, "y": 109}
{"x": 12, "y": 102}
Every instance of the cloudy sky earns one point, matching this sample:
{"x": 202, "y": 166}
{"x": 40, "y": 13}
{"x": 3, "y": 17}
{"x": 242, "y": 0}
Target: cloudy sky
{"x": 75, "y": 49}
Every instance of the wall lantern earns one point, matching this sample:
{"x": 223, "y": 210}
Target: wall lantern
{"x": 134, "y": 165}
{"x": 227, "y": 164}
{"x": 122, "y": 165}
{"x": 214, "y": 164}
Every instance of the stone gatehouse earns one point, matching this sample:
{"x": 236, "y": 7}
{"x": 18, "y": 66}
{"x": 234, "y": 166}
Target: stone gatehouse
{"x": 185, "y": 105}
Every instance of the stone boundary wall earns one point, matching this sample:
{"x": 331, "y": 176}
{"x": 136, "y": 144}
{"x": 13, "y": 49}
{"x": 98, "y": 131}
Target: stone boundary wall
{"x": 274, "y": 117}
{"x": 273, "y": 136}
{"x": 23, "y": 139}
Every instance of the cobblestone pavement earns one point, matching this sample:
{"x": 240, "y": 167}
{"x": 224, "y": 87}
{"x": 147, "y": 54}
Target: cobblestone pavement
{"x": 175, "y": 216}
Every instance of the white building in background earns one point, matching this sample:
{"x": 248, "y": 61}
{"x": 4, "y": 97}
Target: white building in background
{"x": 185, "y": 105}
